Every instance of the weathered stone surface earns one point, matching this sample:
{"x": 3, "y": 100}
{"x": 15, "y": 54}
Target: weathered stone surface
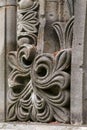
{"x": 10, "y": 37}
{"x": 7, "y": 41}
{"x": 40, "y": 80}
{"x": 7, "y": 2}
{"x": 36, "y": 126}
{"x": 2, "y": 63}
{"x": 79, "y": 65}
{"x": 11, "y": 2}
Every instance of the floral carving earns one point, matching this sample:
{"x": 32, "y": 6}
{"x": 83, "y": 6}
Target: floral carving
{"x": 39, "y": 82}
{"x": 27, "y": 21}
{"x": 39, "y": 86}
{"x": 65, "y": 34}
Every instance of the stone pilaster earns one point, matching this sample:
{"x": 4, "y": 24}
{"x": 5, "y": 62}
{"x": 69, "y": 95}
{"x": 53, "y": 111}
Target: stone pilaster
{"x": 79, "y": 65}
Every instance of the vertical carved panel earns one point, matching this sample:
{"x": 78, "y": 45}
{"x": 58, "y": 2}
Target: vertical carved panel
{"x": 40, "y": 78}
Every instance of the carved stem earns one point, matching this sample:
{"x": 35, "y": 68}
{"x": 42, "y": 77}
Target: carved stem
{"x": 42, "y": 7}
{"x": 61, "y": 10}
{"x": 40, "y": 42}
{"x": 52, "y": 10}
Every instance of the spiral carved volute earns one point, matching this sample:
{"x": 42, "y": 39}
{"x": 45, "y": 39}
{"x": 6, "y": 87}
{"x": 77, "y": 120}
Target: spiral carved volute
{"x": 39, "y": 81}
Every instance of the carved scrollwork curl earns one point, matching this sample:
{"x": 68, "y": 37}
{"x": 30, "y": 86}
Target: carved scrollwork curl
{"x": 39, "y": 83}
{"x": 43, "y": 89}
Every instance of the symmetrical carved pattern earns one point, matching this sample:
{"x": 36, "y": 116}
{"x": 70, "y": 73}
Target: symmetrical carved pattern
{"x": 64, "y": 34}
{"x": 27, "y": 22}
{"x": 39, "y": 82}
{"x": 40, "y": 87}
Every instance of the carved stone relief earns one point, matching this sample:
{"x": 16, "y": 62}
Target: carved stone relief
{"x": 39, "y": 81}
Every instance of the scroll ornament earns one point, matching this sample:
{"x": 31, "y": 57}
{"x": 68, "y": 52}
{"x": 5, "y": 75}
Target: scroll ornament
{"x": 39, "y": 82}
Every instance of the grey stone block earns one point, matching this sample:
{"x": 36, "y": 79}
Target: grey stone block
{"x": 35, "y": 126}
{"x": 79, "y": 65}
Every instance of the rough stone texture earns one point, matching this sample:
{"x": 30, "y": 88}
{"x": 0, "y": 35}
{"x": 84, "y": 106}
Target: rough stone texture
{"x": 39, "y": 82}
{"x": 11, "y": 2}
{"x": 35, "y": 126}
{"x": 60, "y": 40}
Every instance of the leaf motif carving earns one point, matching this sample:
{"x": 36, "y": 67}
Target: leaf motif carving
{"x": 63, "y": 59}
{"x": 27, "y": 20}
{"x": 39, "y": 83}
{"x": 64, "y": 34}
{"x": 44, "y": 96}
